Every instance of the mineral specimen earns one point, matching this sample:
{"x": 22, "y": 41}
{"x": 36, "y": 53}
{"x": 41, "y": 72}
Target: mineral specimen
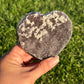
{"x": 44, "y": 36}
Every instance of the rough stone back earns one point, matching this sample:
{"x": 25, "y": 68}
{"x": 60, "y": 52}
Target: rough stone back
{"x": 44, "y": 36}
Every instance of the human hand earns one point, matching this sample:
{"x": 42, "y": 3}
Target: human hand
{"x": 16, "y": 67}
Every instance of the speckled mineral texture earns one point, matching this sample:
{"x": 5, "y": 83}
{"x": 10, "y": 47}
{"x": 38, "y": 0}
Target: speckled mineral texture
{"x": 44, "y": 36}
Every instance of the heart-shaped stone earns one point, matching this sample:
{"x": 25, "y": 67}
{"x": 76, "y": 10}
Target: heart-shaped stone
{"x": 44, "y": 36}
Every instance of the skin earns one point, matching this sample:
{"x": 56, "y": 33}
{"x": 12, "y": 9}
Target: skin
{"x": 16, "y": 67}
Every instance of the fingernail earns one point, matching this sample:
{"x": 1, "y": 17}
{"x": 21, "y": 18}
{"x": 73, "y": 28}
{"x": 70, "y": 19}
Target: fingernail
{"x": 53, "y": 61}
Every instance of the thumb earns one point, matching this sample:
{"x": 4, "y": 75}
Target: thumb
{"x": 44, "y": 66}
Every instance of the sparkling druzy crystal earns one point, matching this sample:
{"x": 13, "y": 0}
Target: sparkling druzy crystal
{"x": 44, "y": 36}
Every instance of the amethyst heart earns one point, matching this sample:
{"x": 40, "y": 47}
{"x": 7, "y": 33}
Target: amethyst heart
{"x": 44, "y": 36}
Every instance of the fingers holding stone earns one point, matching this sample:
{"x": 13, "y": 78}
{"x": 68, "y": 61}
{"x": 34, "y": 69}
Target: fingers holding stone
{"x": 18, "y": 55}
